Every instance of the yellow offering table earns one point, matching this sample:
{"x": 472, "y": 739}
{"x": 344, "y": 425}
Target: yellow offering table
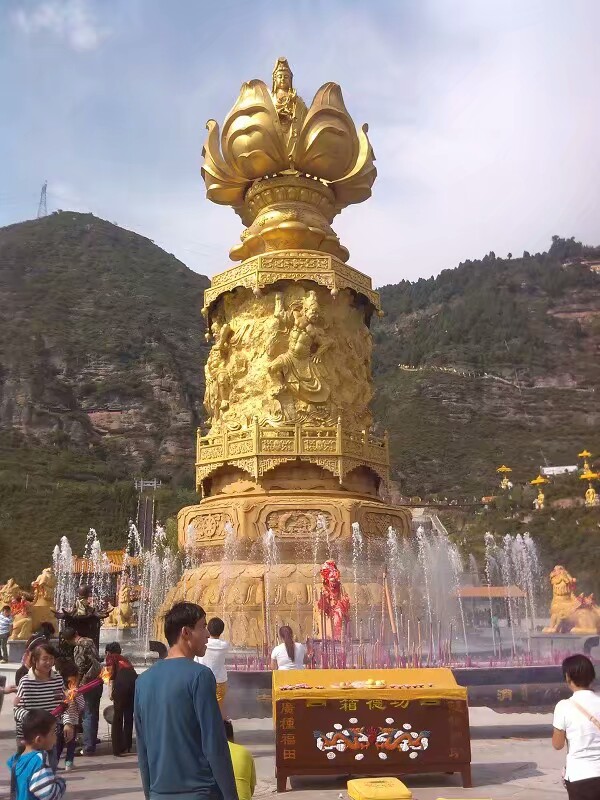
{"x": 340, "y": 722}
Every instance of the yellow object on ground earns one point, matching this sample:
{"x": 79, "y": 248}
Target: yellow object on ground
{"x": 399, "y": 684}
{"x": 378, "y": 789}
{"x": 244, "y": 770}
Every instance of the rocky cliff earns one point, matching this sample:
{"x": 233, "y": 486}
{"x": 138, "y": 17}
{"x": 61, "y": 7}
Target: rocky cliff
{"x": 101, "y": 342}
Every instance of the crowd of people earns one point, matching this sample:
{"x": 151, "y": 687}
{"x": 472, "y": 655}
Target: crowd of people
{"x": 62, "y": 682}
{"x": 185, "y": 742}
{"x": 58, "y": 690}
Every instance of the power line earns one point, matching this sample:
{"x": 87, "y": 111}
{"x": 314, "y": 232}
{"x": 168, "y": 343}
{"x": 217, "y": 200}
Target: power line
{"x": 42, "y": 205}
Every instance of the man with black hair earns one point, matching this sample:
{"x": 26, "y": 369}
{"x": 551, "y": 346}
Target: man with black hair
{"x": 214, "y": 658}
{"x": 577, "y": 724}
{"x": 88, "y": 664}
{"x": 181, "y": 742}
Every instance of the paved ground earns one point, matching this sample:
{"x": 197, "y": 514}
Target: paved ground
{"x": 512, "y": 758}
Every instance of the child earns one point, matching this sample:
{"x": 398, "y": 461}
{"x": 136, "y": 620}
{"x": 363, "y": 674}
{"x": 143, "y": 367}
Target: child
{"x": 6, "y": 626}
{"x": 243, "y": 765}
{"x": 30, "y": 773}
{"x": 216, "y": 651}
{"x": 577, "y": 724}
{"x": 72, "y": 714}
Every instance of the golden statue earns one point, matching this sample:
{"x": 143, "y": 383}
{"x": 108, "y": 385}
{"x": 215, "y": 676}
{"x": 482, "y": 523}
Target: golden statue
{"x": 218, "y": 384}
{"x": 22, "y": 621}
{"x": 9, "y": 592}
{"x": 43, "y": 608}
{"x": 268, "y": 155}
{"x": 571, "y": 612}
{"x": 539, "y": 501}
{"x": 43, "y": 588}
{"x": 122, "y": 616}
{"x": 289, "y": 445}
{"x": 290, "y": 108}
{"x": 590, "y": 496}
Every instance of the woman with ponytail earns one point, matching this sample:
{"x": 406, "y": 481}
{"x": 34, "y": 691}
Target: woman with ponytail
{"x": 289, "y": 654}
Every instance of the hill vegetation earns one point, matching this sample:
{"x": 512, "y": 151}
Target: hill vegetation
{"x": 495, "y": 361}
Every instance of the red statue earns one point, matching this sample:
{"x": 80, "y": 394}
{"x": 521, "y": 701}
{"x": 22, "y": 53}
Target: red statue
{"x": 334, "y": 603}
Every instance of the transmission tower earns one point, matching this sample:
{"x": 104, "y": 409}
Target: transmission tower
{"x": 42, "y": 206}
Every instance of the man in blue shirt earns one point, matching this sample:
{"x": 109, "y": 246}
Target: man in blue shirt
{"x": 182, "y": 748}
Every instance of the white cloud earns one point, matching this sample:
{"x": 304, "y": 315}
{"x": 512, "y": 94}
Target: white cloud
{"x": 70, "y": 21}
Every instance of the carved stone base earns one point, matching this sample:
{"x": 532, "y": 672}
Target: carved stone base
{"x": 299, "y": 519}
{"x": 309, "y": 527}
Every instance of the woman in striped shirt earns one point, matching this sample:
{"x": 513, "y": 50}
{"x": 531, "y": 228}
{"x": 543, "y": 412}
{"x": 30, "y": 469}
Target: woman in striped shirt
{"x": 41, "y": 688}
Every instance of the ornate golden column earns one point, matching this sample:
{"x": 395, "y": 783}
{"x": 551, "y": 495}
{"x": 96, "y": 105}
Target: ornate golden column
{"x": 290, "y": 444}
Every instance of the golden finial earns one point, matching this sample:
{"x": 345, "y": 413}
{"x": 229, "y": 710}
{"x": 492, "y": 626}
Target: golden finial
{"x": 270, "y": 151}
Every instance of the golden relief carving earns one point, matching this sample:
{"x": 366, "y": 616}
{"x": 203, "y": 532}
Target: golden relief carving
{"x": 300, "y": 523}
{"x": 378, "y": 524}
{"x": 211, "y": 525}
{"x": 311, "y": 163}
{"x": 278, "y": 445}
{"x": 310, "y": 362}
{"x": 300, "y": 378}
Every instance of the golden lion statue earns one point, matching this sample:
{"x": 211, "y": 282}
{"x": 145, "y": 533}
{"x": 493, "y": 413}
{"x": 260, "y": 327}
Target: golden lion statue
{"x": 9, "y": 592}
{"x": 571, "y": 612}
{"x": 22, "y": 621}
{"x": 122, "y": 615}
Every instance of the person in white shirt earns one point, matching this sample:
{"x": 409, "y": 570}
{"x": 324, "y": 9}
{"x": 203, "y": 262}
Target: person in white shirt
{"x": 6, "y": 626}
{"x": 289, "y": 654}
{"x": 577, "y": 724}
{"x": 214, "y": 658}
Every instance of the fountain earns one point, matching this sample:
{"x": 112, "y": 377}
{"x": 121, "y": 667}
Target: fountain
{"x": 63, "y": 564}
{"x": 159, "y": 571}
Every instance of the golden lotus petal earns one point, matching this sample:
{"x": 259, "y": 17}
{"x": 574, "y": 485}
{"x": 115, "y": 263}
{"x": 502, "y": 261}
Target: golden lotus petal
{"x": 328, "y": 145}
{"x": 252, "y": 142}
{"x": 356, "y": 185}
{"x": 222, "y": 184}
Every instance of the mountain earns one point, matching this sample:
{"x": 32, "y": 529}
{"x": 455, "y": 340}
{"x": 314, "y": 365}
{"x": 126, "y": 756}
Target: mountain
{"x": 101, "y": 380}
{"x": 101, "y": 377}
{"x": 497, "y": 361}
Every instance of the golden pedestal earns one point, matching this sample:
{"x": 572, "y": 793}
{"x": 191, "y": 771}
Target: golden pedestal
{"x": 290, "y": 446}
{"x": 308, "y": 526}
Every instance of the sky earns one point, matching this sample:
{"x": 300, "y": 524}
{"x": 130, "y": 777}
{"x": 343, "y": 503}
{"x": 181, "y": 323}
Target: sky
{"x": 484, "y": 116}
